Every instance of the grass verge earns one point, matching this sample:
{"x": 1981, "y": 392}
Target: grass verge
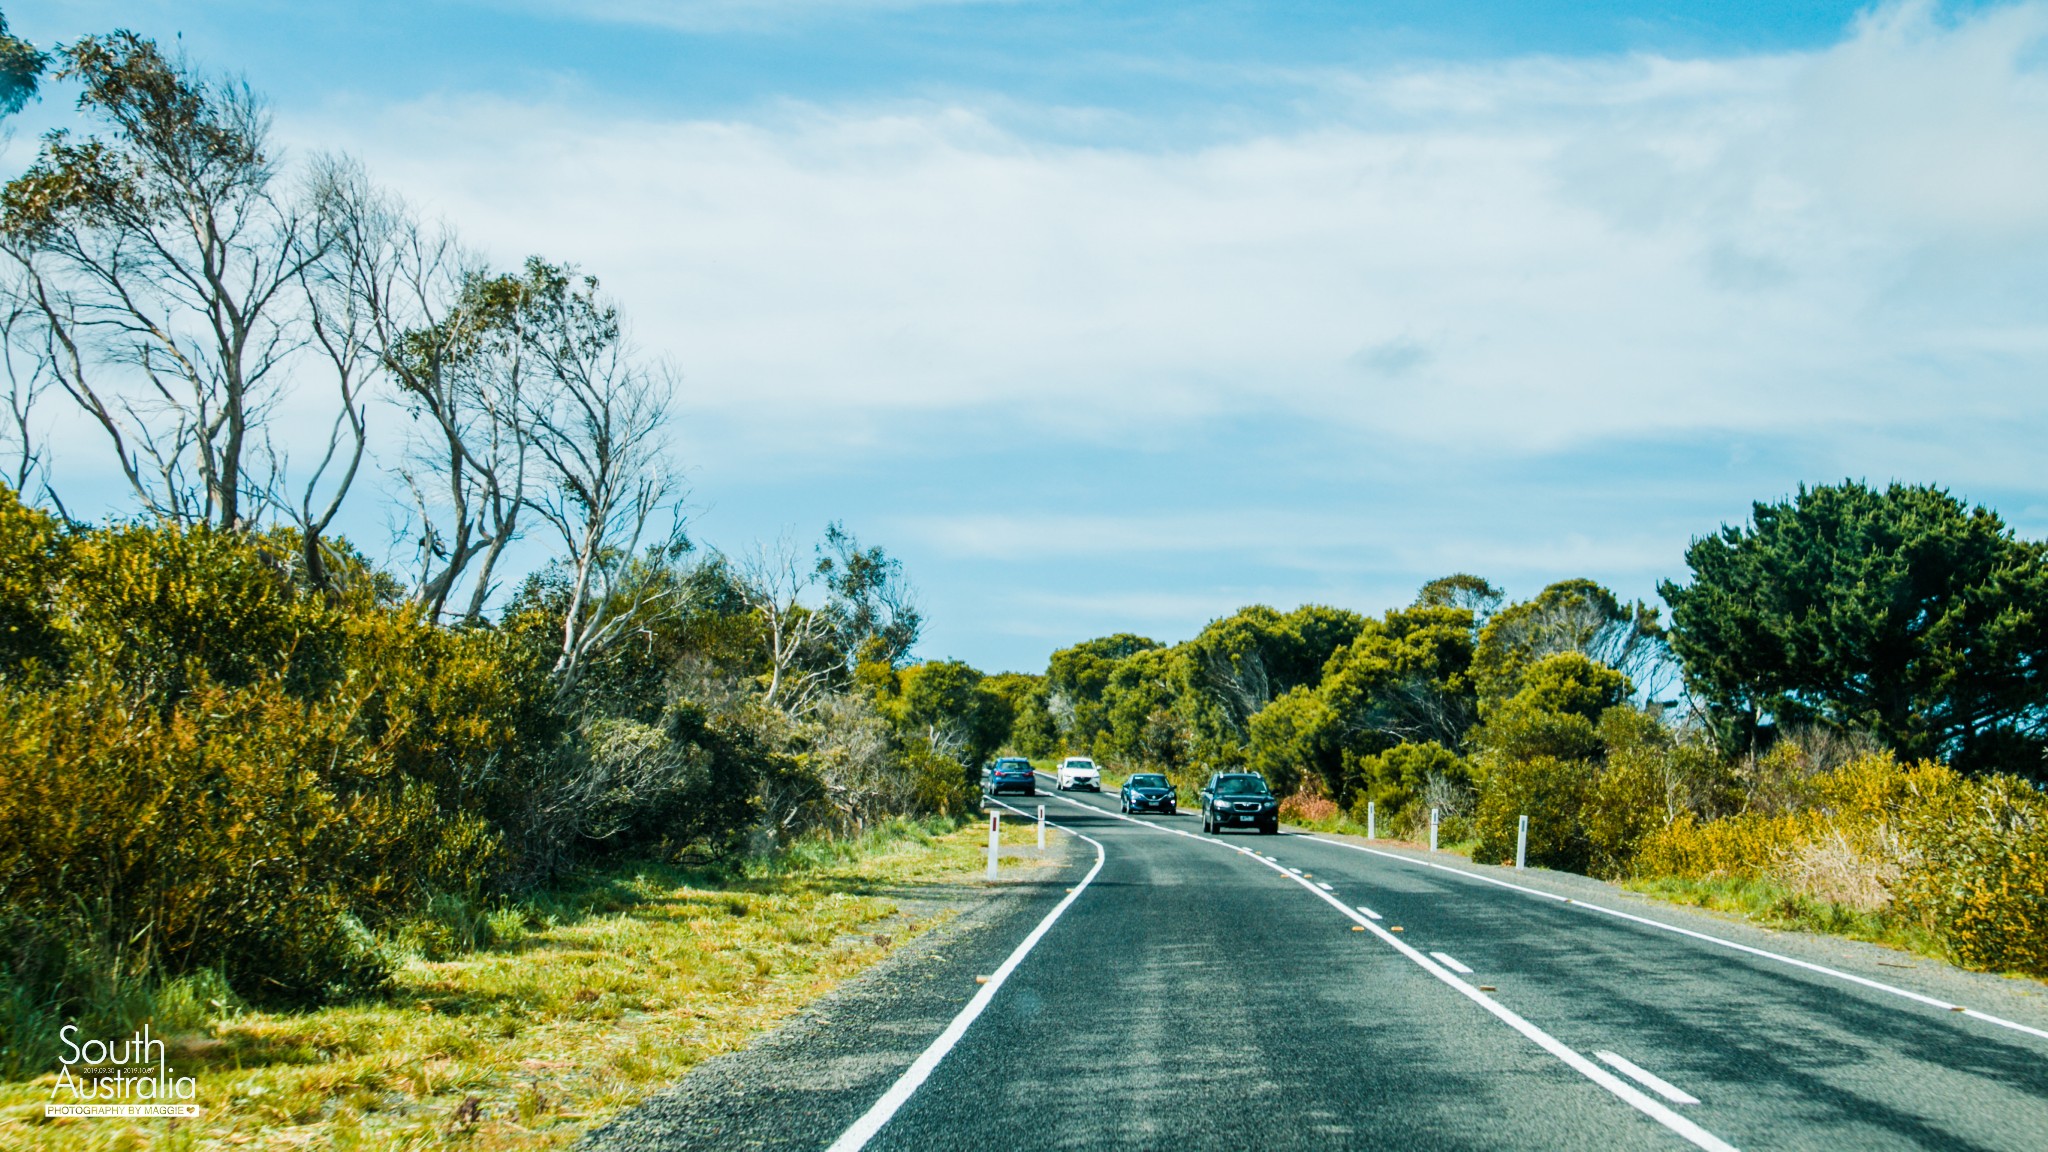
{"x": 1764, "y": 901}
{"x": 591, "y": 998}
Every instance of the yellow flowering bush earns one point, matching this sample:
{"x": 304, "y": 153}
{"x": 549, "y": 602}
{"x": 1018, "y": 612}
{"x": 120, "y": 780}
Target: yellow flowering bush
{"x": 1963, "y": 859}
{"x": 205, "y": 764}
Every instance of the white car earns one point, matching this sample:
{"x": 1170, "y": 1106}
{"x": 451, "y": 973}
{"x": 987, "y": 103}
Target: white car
{"x": 1079, "y": 772}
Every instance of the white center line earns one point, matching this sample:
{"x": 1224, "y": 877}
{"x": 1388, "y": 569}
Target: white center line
{"x": 1369, "y": 912}
{"x": 1448, "y": 961}
{"x": 1647, "y": 1079}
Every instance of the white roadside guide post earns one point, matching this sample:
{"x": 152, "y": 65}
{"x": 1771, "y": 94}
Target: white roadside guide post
{"x": 1041, "y": 827}
{"x": 995, "y": 832}
{"x": 1522, "y": 845}
{"x": 1432, "y": 829}
{"x": 1368, "y": 819}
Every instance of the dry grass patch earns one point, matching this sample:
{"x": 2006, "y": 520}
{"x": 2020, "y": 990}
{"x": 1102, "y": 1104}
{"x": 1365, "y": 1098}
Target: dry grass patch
{"x": 595, "y": 997}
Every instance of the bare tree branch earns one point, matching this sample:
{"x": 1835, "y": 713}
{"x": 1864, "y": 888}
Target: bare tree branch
{"x": 166, "y": 252}
{"x": 596, "y": 416}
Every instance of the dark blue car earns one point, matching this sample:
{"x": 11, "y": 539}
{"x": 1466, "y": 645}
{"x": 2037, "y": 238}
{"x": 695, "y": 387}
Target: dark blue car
{"x": 1148, "y": 792}
{"x": 1009, "y": 774}
{"x": 1239, "y": 800}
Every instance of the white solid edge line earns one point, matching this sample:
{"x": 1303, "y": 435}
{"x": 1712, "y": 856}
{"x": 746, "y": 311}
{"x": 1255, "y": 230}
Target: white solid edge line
{"x": 899, "y": 1093}
{"x": 1451, "y": 962}
{"x": 1648, "y": 1079}
{"x": 1627, "y": 1092}
{"x": 1369, "y": 912}
{"x": 1767, "y": 954}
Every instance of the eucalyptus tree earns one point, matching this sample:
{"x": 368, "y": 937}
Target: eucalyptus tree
{"x": 22, "y": 65}
{"x": 450, "y": 338}
{"x": 22, "y": 357}
{"x": 1570, "y": 616}
{"x": 825, "y": 613}
{"x": 596, "y": 414}
{"x": 165, "y": 258}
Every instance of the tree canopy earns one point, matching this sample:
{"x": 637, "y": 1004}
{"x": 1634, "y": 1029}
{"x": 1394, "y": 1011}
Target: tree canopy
{"x": 1901, "y": 612}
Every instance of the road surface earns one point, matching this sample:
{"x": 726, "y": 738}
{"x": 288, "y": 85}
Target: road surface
{"x": 1295, "y": 991}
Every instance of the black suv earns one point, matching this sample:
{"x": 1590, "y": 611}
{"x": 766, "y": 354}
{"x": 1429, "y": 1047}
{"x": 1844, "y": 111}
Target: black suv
{"x": 1148, "y": 792}
{"x": 1239, "y": 800}
{"x": 1011, "y": 773}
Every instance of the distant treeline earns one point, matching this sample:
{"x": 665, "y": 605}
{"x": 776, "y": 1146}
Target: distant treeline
{"x": 1895, "y": 636}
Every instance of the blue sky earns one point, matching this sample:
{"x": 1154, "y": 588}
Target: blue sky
{"x": 1119, "y": 316}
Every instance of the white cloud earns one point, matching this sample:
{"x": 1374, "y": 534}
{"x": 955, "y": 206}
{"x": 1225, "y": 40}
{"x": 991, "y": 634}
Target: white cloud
{"x": 1524, "y": 256}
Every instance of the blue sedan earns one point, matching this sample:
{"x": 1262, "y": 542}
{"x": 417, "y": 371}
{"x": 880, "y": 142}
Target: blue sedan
{"x": 1148, "y": 792}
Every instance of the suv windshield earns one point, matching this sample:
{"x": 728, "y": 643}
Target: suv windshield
{"x": 1148, "y": 781}
{"x": 1240, "y": 786}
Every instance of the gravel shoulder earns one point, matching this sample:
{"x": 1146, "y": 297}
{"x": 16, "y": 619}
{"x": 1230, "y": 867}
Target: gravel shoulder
{"x": 802, "y": 1084}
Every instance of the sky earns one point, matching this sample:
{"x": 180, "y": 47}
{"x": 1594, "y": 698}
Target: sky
{"x": 1119, "y": 316}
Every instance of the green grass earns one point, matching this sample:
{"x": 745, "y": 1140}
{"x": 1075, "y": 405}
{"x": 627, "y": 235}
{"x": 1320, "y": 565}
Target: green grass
{"x": 590, "y": 998}
{"x": 1773, "y": 905}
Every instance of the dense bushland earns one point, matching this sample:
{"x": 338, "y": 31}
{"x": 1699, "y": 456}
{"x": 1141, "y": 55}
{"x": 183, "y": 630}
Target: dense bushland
{"x": 1780, "y": 748}
{"x": 207, "y": 765}
{"x": 240, "y": 755}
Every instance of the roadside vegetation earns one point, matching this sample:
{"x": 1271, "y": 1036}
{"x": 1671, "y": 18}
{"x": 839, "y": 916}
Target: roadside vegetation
{"x": 246, "y": 761}
{"x": 1841, "y": 728}
{"x": 524, "y": 1023}
{"x": 375, "y": 827}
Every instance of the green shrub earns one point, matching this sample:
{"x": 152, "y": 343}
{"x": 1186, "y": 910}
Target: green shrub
{"x": 939, "y": 784}
{"x": 1553, "y": 793}
{"x": 1980, "y": 880}
{"x": 1936, "y": 855}
{"x": 1396, "y": 781}
{"x": 1631, "y": 795}
{"x": 236, "y": 773}
{"x": 190, "y": 1003}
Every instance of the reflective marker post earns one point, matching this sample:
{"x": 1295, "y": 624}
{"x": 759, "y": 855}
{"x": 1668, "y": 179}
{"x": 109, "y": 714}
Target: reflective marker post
{"x": 1368, "y": 819}
{"x": 1041, "y": 827}
{"x": 1522, "y": 845}
{"x": 1432, "y": 829}
{"x": 995, "y": 832}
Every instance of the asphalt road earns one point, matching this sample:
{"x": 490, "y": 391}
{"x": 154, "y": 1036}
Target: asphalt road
{"x": 1235, "y": 992}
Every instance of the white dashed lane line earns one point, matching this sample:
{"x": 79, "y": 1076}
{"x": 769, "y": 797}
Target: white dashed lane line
{"x": 1450, "y": 962}
{"x": 1647, "y": 922}
{"x": 1324, "y": 887}
{"x": 1694, "y": 1134}
{"x": 1369, "y": 912}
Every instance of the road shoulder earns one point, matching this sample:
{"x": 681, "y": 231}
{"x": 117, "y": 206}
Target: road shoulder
{"x": 802, "y": 1084}
{"x": 2019, "y": 999}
